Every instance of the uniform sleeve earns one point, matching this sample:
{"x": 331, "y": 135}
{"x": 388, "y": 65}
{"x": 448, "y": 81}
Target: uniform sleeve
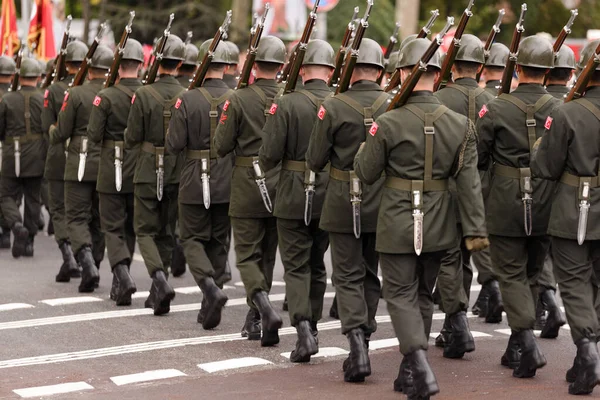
{"x": 3, "y": 117}
{"x": 178, "y": 128}
{"x": 371, "y": 159}
{"x": 134, "y": 134}
{"x": 468, "y": 185}
{"x": 227, "y": 130}
{"x": 550, "y": 152}
{"x": 98, "y": 117}
{"x": 49, "y": 112}
{"x": 275, "y": 134}
{"x": 66, "y": 120}
{"x": 486, "y": 133}
{"x": 321, "y": 139}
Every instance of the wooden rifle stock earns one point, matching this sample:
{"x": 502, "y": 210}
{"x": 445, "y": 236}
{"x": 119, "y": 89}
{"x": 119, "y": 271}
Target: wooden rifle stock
{"x": 512, "y": 58}
{"x": 249, "y": 63}
{"x": 85, "y": 65}
{"x": 490, "y": 40}
{"x": 14, "y": 84}
{"x": 585, "y": 76}
{"x": 158, "y": 55}
{"x": 341, "y": 53}
{"x": 426, "y": 30}
{"x": 59, "y": 71}
{"x": 111, "y": 78}
{"x": 562, "y": 36}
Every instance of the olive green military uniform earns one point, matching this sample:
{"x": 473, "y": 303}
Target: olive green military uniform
{"x": 20, "y": 120}
{"x": 108, "y": 120}
{"x": 492, "y": 87}
{"x": 204, "y": 233}
{"x": 230, "y": 80}
{"x": 184, "y": 80}
{"x": 81, "y": 197}
{"x": 558, "y": 91}
{"x": 507, "y": 139}
{"x": 336, "y": 137}
{"x": 302, "y": 248}
{"x": 3, "y": 224}
{"x": 154, "y": 220}
{"x": 254, "y": 228}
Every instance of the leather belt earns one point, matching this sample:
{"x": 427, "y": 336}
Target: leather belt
{"x": 575, "y": 181}
{"x": 339, "y": 175}
{"x": 150, "y": 148}
{"x": 23, "y": 139}
{"x": 296, "y": 166}
{"x": 244, "y": 161}
{"x": 435, "y": 185}
{"x": 508, "y": 172}
{"x": 197, "y": 154}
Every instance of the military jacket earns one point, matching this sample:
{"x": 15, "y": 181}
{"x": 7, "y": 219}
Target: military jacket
{"x": 230, "y": 80}
{"x": 190, "y": 129}
{"x": 13, "y": 123}
{"x": 53, "y": 100}
{"x": 240, "y": 132}
{"x": 503, "y": 140}
{"x": 146, "y": 124}
{"x": 571, "y": 145}
{"x": 108, "y": 121}
{"x": 185, "y": 80}
{"x": 401, "y": 132}
{"x": 286, "y": 136}
{"x": 492, "y": 87}
{"x": 336, "y": 138}
{"x": 4, "y": 88}
{"x": 558, "y": 91}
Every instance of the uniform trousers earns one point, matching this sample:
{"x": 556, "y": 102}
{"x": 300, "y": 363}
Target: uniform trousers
{"x": 56, "y": 202}
{"x": 83, "y": 218}
{"x": 454, "y": 280}
{"x": 116, "y": 219}
{"x": 483, "y": 262}
{"x": 11, "y": 190}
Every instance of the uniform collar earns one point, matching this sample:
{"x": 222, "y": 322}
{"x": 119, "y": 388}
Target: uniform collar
{"x": 423, "y": 96}
{"x": 557, "y": 89}
{"x": 468, "y": 82}
{"x": 214, "y": 82}
{"x": 492, "y": 84}
{"x": 535, "y": 88}
{"x": 130, "y": 81}
{"x": 365, "y": 85}
{"x": 316, "y": 84}
{"x": 28, "y": 88}
{"x": 265, "y": 82}
{"x": 168, "y": 79}
{"x": 593, "y": 91}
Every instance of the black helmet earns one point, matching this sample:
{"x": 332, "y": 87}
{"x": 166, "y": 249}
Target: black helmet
{"x": 102, "y": 58}
{"x": 234, "y": 53}
{"x": 498, "y": 56}
{"x": 30, "y": 68}
{"x": 191, "y": 55}
{"x": 413, "y": 51}
{"x": 370, "y": 53}
{"x": 319, "y": 52}
{"x": 535, "y": 52}
{"x": 471, "y": 49}
{"x": 221, "y": 54}
{"x": 565, "y": 58}
{"x": 174, "y": 48}
{"x": 271, "y": 49}
{"x": 76, "y": 51}
{"x": 133, "y": 51}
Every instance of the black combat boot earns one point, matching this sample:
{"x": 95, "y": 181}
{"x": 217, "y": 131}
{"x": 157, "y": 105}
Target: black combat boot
{"x": 540, "y": 315}
{"x": 588, "y": 370}
{"x": 437, "y": 296}
{"x": 151, "y": 299}
{"x": 512, "y": 356}
{"x": 460, "y": 340}
{"x": 114, "y": 287}
{"x": 572, "y": 372}
{"x": 306, "y": 345}
{"x": 480, "y": 308}
{"x": 29, "y": 247}
{"x": 333, "y": 311}
{"x": 444, "y": 335}
{"x": 69, "y": 267}
{"x": 178, "y": 260}
{"x": 50, "y": 230}
{"x": 270, "y": 320}
{"x": 202, "y": 312}
{"x": 285, "y": 306}
{"x": 90, "y": 271}
{"x": 5, "y": 239}
{"x": 41, "y": 221}
{"x": 125, "y": 285}
{"x": 164, "y": 293}
{"x": 532, "y": 357}
{"x": 359, "y": 365}
{"x": 495, "y": 305}
{"x": 424, "y": 383}
{"x": 404, "y": 379}
{"x": 555, "y": 319}
{"x": 215, "y": 301}
{"x": 21, "y": 235}
{"x": 252, "y": 327}
{"x": 314, "y": 331}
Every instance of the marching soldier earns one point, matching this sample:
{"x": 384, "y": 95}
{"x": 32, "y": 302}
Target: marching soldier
{"x": 156, "y": 175}
{"x": 7, "y": 71}
{"x": 55, "y": 160}
{"x": 81, "y": 171}
{"x": 451, "y": 152}
{"x": 23, "y": 157}
{"x": 231, "y": 73}
{"x": 205, "y": 185}
{"x": 185, "y": 73}
{"x": 108, "y": 121}
{"x": 494, "y": 68}
{"x": 568, "y": 153}
{"x": 518, "y": 207}
{"x": 561, "y": 74}
{"x": 343, "y": 123}
{"x": 254, "y": 227}
{"x": 390, "y": 68}
{"x": 302, "y": 243}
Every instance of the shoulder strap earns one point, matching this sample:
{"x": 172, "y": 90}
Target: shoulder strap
{"x": 471, "y": 94}
{"x": 27, "y": 115}
{"x": 213, "y": 114}
{"x": 591, "y": 107}
{"x": 317, "y": 101}
{"x": 167, "y": 107}
{"x": 530, "y": 110}
{"x": 366, "y": 112}
{"x": 126, "y": 90}
{"x": 267, "y": 100}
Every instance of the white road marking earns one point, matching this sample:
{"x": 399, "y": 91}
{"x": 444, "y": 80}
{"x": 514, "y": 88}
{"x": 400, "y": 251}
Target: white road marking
{"x": 504, "y": 331}
{"x": 278, "y": 283}
{"x": 324, "y": 352}
{"x": 14, "y": 306}
{"x": 475, "y": 288}
{"x": 138, "y": 257}
{"x": 146, "y": 376}
{"x": 53, "y": 389}
{"x": 140, "y": 295}
{"x": 228, "y": 287}
{"x": 188, "y": 290}
{"x": 480, "y": 334}
{"x": 70, "y": 300}
{"x": 383, "y": 343}
{"x": 239, "y": 284}
{"x": 234, "y": 363}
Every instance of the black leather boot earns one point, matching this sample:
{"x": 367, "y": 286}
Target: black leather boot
{"x": 404, "y": 379}
{"x": 178, "y": 260}
{"x": 270, "y": 320}
{"x": 437, "y": 296}
{"x": 215, "y": 301}
{"x": 5, "y": 239}
{"x": 424, "y": 383}
{"x": 90, "y": 272}
{"x": 50, "y": 230}
{"x": 333, "y": 311}
{"x": 69, "y": 265}
{"x": 460, "y": 340}
{"x": 202, "y": 312}
{"x": 21, "y": 234}
{"x": 495, "y": 305}
{"x": 540, "y": 315}
{"x": 445, "y": 333}
{"x": 532, "y": 357}
{"x": 29, "y": 247}
{"x": 285, "y": 306}
{"x": 306, "y": 344}
{"x": 572, "y": 372}
{"x": 150, "y": 300}
{"x": 114, "y": 287}
{"x": 314, "y": 331}
{"x": 555, "y": 319}
{"x": 164, "y": 293}
{"x": 125, "y": 285}
{"x": 359, "y": 365}
{"x": 512, "y": 356}
{"x": 480, "y": 308}
{"x": 252, "y": 327}
{"x": 588, "y": 371}
{"x": 41, "y": 222}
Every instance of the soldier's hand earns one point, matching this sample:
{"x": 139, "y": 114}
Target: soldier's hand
{"x": 474, "y": 244}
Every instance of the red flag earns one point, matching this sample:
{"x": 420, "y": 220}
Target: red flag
{"x": 40, "y": 30}
{"x": 10, "y": 39}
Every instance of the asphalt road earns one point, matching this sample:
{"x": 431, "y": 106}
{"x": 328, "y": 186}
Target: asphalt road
{"x": 55, "y": 340}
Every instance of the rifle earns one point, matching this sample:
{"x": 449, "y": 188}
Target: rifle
{"x": 490, "y": 40}
{"x": 249, "y": 63}
{"x": 352, "y": 56}
{"x": 255, "y": 22}
{"x": 453, "y": 50}
{"x": 158, "y": 52}
{"x": 560, "y": 40}
{"x": 209, "y": 55}
{"x": 420, "y": 68}
{"x": 341, "y": 53}
{"x": 111, "y": 78}
{"x": 425, "y": 31}
{"x": 389, "y": 49}
{"x": 512, "y": 58}
{"x": 585, "y": 76}
{"x": 14, "y": 85}
{"x": 189, "y": 37}
{"x": 85, "y": 65}
{"x": 60, "y": 71}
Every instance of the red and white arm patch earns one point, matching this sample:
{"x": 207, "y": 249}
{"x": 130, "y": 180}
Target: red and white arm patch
{"x": 178, "y": 104}
{"x": 273, "y": 109}
{"x": 484, "y": 110}
{"x": 373, "y": 129}
{"x": 321, "y": 113}
{"x": 64, "y": 104}
{"x": 548, "y": 123}
{"x": 97, "y": 101}
{"x": 226, "y": 105}
{"x": 46, "y": 93}
{"x": 223, "y": 119}
{"x": 133, "y": 99}
{"x": 46, "y": 101}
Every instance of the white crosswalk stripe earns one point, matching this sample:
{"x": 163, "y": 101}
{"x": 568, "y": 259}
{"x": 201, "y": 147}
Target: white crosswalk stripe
{"x": 233, "y": 363}
{"x": 53, "y": 389}
{"x": 70, "y": 300}
{"x": 15, "y": 306}
{"x": 146, "y": 376}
